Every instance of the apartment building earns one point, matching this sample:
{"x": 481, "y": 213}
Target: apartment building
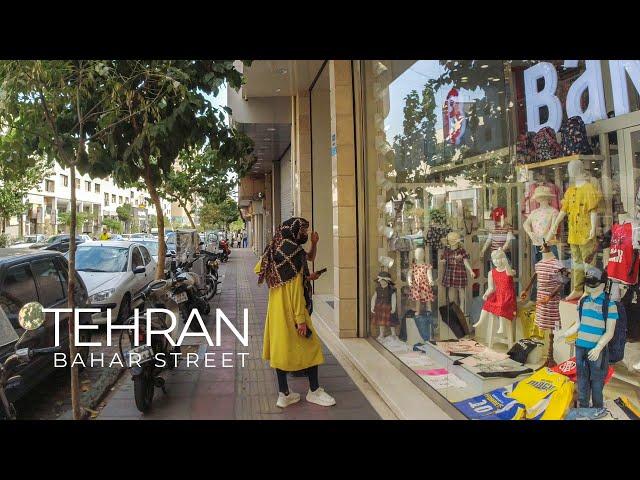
{"x": 99, "y": 197}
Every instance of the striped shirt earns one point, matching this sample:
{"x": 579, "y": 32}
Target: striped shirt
{"x": 499, "y": 236}
{"x": 592, "y": 324}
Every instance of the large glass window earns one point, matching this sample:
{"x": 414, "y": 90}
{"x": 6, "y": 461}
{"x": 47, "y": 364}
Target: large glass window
{"x": 494, "y": 192}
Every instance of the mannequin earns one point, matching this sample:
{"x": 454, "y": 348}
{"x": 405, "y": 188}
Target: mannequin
{"x": 500, "y": 236}
{"x": 539, "y": 222}
{"x": 530, "y": 203}
{"x": 500, "y": 299}
{"x": 623, "y": 261}
{"x": 421, "y": 280}
{"x": 580, "y": 204}
{"x": 383, "y": 306}
{"x": 592, "y": 355}
{"x": 455, "y": 261}
{"x": 549, "y": 276}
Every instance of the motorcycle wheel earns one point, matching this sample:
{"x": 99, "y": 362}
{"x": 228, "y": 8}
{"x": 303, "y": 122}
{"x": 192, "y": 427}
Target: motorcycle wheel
{"x": 143, "y": 390}
{"x": 212, "y": 288}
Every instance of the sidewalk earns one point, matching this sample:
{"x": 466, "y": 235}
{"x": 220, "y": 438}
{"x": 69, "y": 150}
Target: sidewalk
{"x": 237, "y": 393}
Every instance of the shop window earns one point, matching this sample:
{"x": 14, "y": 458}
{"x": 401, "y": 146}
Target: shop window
{"x": 468, "y": 198}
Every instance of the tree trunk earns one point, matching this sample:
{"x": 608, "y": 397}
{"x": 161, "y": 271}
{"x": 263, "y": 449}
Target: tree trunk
{"x": 186, "y": 210}
{"x": 71, "y": 286}
{"x": 155, "y": 198}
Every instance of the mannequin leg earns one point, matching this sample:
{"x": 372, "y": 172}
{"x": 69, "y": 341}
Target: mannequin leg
{"x": 462, "y": 300}
{"x": 380, "y": 333}
{"x": 392, "y": 333}
{"x": 490, "y": 330}
{"x": 483, "y": 317}
{"x": 501, "y": 326}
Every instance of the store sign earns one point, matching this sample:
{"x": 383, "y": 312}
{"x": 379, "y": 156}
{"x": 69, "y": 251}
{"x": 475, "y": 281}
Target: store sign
{"x": 590, "y": 80}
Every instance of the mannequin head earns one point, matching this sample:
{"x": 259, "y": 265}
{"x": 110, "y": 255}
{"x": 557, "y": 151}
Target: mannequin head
{"x": 384, "y": 279}
{"x": 499, "y": 259}
{"x": 594, "y": 281}
{"x": 576, "y": 169}
{"x": 453, "y": 239}
{"x": 543, "y": 196}
{"x": 418, "y": 254}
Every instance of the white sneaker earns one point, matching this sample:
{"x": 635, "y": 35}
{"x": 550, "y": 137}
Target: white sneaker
{"x": 286, "y": 400}
{"x": 320, "y": 397}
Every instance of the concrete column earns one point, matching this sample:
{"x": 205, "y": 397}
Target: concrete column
{"x": 268, "y": 209}
{"x": 301, "y": 156}
{"x": 343, "y": 178}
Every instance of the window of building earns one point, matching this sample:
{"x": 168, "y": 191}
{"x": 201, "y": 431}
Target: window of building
{"x": 87, "y": 186}
{"x": 77, "y": 184}
{"x": 96, "y": 187}
{"x": 65, "y": 180}
{"x": 460, "y": 207}
{"x": 120, "y": 200}
{"x": 113, "y": 199}
{"x": 49, "y": 185}
{"x": 106, "y": 199}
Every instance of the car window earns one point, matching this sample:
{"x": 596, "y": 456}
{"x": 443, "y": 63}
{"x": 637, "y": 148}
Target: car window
{"x": 18, "y": 288}
{"x": 136, "y": 259}
{"x": 152, "y": 247}
{"x": 98, "y": 258}
{"x": 145, "y": 255}
{"x": 50, "y": 285}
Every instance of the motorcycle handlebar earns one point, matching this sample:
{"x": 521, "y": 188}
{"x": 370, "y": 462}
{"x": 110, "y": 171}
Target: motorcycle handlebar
{"x": 43, "y": 351}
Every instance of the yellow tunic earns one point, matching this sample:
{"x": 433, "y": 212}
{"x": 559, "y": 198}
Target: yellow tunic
{"x": 282, "y": 346}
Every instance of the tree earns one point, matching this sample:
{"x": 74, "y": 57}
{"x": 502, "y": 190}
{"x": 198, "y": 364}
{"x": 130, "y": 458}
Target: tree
{"x": 219, "y": 215}
{"x": 125, "y": 214}
{"x": 64, "y": 218}
{"x": 237, "y": 225}
{"x": 182, "y": 117}
{"x": 207, "y": 174}
{"x": 113, "y": 225}
{"x": 57, "y": 109}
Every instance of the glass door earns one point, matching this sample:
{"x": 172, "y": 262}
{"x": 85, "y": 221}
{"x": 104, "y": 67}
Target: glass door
{"x": 630, "y": 158}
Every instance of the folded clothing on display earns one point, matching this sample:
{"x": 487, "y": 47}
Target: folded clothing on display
{"x": 486, "y": 405}
{"x": 460, "y": 347}
{"x": 587, "y": 414}
{"x": 522, "y": 348}
{"x": 415, "y": 360}
{"x": 440, "y": 378}
{"x": 487, "y": 356}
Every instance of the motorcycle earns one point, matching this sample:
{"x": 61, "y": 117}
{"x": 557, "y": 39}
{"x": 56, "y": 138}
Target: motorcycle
{"x": 211, "y": 274}
{"x": 186, "y": 290}
{"x": 30, "y": 317}
{"x": 145, "y": 372}
{"x": 225, "y": 251}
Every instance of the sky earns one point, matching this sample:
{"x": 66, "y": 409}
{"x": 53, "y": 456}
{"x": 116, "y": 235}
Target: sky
{"x": 221, "y": 99}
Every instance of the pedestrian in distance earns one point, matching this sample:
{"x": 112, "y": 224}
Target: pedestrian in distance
{"x": 290, "y": 343}
{"x": 105, "y": 234}
{"x": 245, "y": 239}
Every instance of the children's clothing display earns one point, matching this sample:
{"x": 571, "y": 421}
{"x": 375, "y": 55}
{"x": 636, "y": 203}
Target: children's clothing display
{"x": 382, "y": 315}
{"x": 455, "y": 273}
{"x": 435, "y": 234}
{"x": 521, "y": 350}
{"x": 541, "y": 221}
{"x": 578, "y": 203}
{"x": 549, "y": 279}
{"x": 624, "y": 259}
{"x": 421, "y": 290}
{"x": 499, "y": 236}
{"x": 530, "y": 204}
{"x": 502, "y": 302}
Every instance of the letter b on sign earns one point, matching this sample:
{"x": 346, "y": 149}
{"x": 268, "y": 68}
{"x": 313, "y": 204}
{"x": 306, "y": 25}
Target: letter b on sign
{"x": 536, "y": 99}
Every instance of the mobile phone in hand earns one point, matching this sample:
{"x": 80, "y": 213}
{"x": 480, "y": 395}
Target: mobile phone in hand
{"x": 320, "y": 272}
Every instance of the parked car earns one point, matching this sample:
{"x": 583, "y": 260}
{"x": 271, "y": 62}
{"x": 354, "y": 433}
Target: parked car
{"x": 58, "y": 243}
{"x": 115, "y": 272}
{"x": 37, "y": 276}
{"x": 152, "y": 245}
{"x": 28, "y": 241}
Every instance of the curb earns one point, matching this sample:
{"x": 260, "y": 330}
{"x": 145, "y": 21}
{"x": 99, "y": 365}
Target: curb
{"x": 91, "y": 398}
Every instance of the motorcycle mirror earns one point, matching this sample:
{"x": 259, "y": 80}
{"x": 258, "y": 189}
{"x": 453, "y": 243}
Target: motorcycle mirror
{"x": 31, "y": 316}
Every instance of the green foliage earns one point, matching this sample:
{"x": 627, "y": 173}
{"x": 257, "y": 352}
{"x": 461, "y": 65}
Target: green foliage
{"x": 4, "y": 240}
{"x": 219, "y": 215}
{"x": 153, "y": 221}
{"x": 125, "y": 212}
{"x": 64, "y": 218}
{"x": 237, "y": 225}
{"x": 114, "y": 226}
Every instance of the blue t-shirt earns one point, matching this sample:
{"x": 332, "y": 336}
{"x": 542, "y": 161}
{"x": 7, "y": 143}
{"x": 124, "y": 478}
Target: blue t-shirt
{"x": 592, "y": 324}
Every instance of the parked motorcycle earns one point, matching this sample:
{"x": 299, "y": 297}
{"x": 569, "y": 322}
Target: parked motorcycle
{"x": 31, "y": 317}
{"x": 188, "y": 295}
{"x": 225, "y": 250}
{"x": 145, "y": 372}
{"x": 212, "y": 279}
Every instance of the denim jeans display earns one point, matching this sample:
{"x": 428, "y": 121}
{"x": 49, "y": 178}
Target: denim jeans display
{"x": 425, "y": 325}
{"x": 591, "y": 377}
{"x": 587, "y": 413}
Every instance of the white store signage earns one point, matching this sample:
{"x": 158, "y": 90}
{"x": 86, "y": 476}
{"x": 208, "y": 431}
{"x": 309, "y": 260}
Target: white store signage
{"x": 590, "y": 80}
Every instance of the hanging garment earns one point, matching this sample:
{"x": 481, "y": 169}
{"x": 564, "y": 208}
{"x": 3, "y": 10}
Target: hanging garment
{"x": 624, "y": 260}
{"x": 435, "y": 234}
{"x": 548, "y": 279}
{"x": 578, "y": 203}
{"x": 527, "y": 316}
{"x": 421, "y": 290}
{"x": 502, "y": 302}
{"x": 455, "y": 273}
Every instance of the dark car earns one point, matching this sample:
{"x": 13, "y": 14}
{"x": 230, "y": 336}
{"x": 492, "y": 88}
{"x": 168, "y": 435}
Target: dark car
{"x": 37, "y": 276}
{"x": 57, "y": 243}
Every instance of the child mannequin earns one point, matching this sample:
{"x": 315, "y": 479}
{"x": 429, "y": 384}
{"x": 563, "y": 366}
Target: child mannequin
{"x": 500, "y": 236}
{"x": 456, "y": 265}
{"x": 540, "y": 220}
{"x": 580, "y": 204}
{"x": 383, "y": 306}
{"x": 500, "y": 298}
{"x": 420, "y": 280}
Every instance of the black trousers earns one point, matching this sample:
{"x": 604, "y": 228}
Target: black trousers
{"x": 312, "y": 374}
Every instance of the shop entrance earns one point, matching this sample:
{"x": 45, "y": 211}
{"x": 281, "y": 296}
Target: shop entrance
{"x": 630, "y": 153}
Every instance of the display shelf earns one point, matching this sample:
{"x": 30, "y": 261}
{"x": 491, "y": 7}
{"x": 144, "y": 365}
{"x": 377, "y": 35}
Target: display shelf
{"x": 482, "y": 157}
{"x": 561, "y": 160}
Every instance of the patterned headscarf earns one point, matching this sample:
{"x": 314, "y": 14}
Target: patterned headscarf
{"x": 284, "y": 258}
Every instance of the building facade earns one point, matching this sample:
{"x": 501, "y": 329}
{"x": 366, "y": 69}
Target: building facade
{"x": 422, "y": 179}
{"x": 99, "y": 198}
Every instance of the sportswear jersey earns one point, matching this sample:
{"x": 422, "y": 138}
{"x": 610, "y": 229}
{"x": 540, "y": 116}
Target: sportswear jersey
{"x": 545, "y": 395}
{"x": 624, "y": 261}
{"x": 485, "y": 406}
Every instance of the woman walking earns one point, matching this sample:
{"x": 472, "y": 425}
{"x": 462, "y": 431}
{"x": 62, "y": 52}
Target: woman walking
{"x": 290, "y": 343}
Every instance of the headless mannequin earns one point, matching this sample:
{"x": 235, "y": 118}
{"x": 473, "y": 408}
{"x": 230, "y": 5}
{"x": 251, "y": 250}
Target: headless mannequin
{"x": 392, "y": 330}
{"x": 419, "y": 259}
{"x": 501, "y": 263}
{"x": 578, "y": 177}
{"x": 457, "y": 294}
{"x": 547, "y": 254}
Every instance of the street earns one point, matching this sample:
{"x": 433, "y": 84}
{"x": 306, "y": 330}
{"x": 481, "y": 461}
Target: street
{"x": 220, "y": 392}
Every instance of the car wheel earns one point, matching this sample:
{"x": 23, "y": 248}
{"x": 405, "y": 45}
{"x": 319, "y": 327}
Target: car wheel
{"x": 125, "y": 309}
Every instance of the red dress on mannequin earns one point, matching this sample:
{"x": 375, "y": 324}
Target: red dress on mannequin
{"x": 502, "y": 301}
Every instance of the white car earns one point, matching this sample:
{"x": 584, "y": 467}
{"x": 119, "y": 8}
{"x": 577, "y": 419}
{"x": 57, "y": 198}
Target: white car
{"x": 115, "y": 272}
{"x": 29, "y": 240}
